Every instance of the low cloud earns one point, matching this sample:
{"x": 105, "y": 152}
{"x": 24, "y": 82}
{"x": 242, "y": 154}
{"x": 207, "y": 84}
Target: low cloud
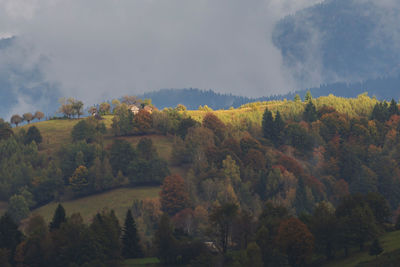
{"x": 100, "y": 49}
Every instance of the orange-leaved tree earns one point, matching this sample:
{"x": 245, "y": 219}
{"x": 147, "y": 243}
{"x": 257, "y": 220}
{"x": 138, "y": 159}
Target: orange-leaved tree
{"x": 173, "y": 196}
{"x": 143, "y": 121}
{"x": 296, "y": 241}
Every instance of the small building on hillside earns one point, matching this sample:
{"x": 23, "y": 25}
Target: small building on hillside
{"x": 134, "y": 109}
{"x": 148, "y": 108}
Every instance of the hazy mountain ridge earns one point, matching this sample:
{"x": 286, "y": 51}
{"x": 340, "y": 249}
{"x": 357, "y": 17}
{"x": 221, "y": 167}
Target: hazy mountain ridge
{"x": 192, "y": 98}
{"x": 340, "y": 40}
{"x": 382, "y": 88}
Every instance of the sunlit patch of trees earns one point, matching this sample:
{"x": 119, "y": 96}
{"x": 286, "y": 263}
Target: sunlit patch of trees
{"x": 272, "y": 183}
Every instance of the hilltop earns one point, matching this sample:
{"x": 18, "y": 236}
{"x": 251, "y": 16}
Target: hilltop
{"x": 326, "y": 157}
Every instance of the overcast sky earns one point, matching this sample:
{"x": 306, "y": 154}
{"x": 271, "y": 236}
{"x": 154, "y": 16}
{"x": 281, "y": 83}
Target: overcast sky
{"x": 102, "y": 49}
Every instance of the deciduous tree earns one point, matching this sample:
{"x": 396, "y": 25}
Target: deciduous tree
{"x": 296, "y": 241}
{"x": 212, "y": 122}
{"x": 105, "y": 108}
{"x": 27, "y": 117}
{"x": 18, "y": 208}
{"x": 39, "y": 115}
{"x": 173, "y": 196}
{"x": 222, "y": 218}
{"x": 16, "y": 119}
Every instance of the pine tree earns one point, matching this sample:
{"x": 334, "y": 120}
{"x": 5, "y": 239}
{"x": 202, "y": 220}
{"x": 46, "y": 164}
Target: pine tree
{"x": 268, "y": 124}
{"x": 58, "y": 218}
{"x": 164, "y": 241}
{"x": 10, "y": 236}
{"x": 297, "y": 98}
{"x": 130, "y": 238}
{"x": 279, "y": 126}
{"x": 308, "y": 96}
{"x": 393, "y": 108}
{"x": 310, "y": 113}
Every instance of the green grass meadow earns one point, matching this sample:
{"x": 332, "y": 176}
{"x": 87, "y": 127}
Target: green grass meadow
{"x": 390, "y": 242}
{"x": 119, "y": 200}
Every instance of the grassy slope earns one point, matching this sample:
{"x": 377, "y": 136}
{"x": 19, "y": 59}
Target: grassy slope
{"x": 390, "y": 242}
{"x": 57, "y": 132}
{"x": 119, "y": 200}
{"x": 237, "y": 115}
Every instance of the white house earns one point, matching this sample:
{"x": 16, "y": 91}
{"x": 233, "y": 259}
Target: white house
{"x": 134, "y": 109}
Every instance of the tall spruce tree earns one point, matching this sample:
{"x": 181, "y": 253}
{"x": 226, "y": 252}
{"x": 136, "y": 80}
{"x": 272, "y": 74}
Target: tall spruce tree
{"x": 393, "y": 108}
{"x": 164, "y": 241}
{"x": 279, "y": 126}
{"x": 308, "y": 96}
{"x": 130, "y": 238}
{"x": 310, "y": 113}
{"x": 268, "y": 124}
{"x": 58, "y": 218}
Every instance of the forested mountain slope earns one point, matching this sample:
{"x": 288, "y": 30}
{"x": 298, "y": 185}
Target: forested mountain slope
{"x": 341, "y": 40}
{"x": 292, "y": 171}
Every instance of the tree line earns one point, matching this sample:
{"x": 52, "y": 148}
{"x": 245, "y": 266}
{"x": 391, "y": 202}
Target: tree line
{"x": 28, "y": 117}
{"x": 296, "y": 160}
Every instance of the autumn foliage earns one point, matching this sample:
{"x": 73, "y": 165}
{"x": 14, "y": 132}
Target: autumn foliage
{"x": 296, "y": 241}
{"x": 173, "y": 196}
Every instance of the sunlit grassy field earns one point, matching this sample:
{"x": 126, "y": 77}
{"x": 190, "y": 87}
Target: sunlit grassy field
{"x": 389, "y": 242}
{"x": 234, "y": 116}
{"x": 119, "y": 200}
{"x": 57, "y": 132}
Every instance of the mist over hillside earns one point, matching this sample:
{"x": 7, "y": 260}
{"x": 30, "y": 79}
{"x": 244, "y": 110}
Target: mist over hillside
{"x": 341, "y": 41}
{"x": 23, "y": 87}
{"x": 382, "y": 88}
{"x": 343, "y": 47}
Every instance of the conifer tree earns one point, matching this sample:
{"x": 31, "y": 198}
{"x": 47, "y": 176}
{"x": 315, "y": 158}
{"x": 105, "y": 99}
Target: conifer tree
{"x": 393, "y": 108}
{"x": 310, "y": 113}
{"x": 268, "y": 124}
{"x": 279, "y": 126}
{"x": 58, "y": 218}
{"x": 10, "y": 236}
{"x": 308, "y": 96}
{"x": 130, "y": 238}
{"x": 297, "y": 98}
{"x": 164, "y": 240}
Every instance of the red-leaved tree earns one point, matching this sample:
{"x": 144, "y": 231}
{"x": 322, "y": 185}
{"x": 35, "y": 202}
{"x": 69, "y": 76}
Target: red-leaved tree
{"x": 173, "y": 196}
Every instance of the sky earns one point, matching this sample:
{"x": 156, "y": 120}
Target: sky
{"x": 97, "y": 50}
